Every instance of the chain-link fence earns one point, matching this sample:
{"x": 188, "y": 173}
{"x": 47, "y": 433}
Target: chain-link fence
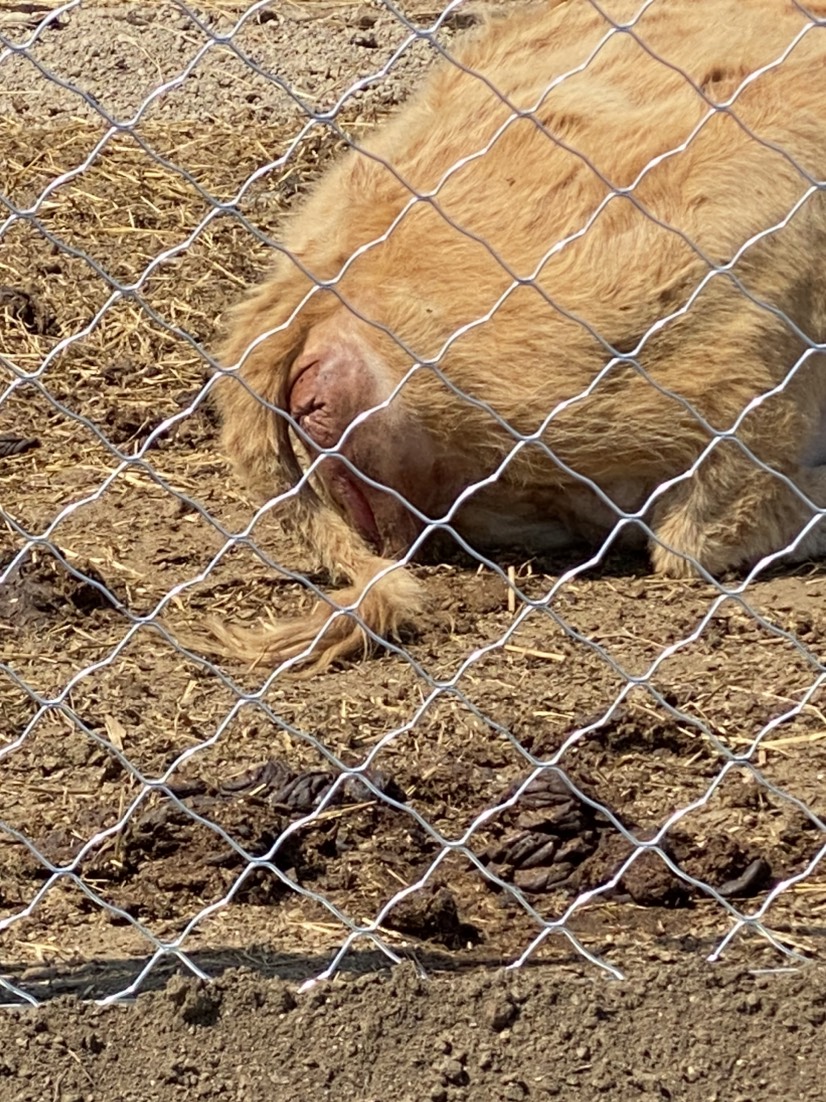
{"x": 568, "y": 317}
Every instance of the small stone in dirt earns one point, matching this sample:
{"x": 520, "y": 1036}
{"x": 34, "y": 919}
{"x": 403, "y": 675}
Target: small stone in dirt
{"x": 501, "y": 1012}
{"x": 453, "y": 1072}
{"x": 515, "y": 1091}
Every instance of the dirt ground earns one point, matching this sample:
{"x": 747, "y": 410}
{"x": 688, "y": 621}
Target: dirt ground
{"x": 684, "y": 1032}
{"x": 162, "y": 811}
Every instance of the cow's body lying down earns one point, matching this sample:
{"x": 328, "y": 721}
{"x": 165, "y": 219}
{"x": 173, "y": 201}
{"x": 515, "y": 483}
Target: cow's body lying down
{"x": 523, "y": 281}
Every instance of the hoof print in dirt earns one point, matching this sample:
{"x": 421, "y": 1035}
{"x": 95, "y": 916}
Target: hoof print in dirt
{"x": 544, "y": 837}
{"x": 432, "y": 914}
{"x": 20, "y": 306}
{"x": 16, "y": 445}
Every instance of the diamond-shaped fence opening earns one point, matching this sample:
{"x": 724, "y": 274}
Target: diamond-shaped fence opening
{"x": 545, "y": 354}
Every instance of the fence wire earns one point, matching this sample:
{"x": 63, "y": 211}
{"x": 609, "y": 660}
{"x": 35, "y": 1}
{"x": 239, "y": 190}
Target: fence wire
{"x": 565, "y": 745}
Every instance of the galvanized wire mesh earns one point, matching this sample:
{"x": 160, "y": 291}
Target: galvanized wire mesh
{"x": 65, "y": 861}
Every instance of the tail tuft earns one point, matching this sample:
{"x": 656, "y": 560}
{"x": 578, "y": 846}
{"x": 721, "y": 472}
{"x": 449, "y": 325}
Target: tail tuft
{"x": 382, "y": 606}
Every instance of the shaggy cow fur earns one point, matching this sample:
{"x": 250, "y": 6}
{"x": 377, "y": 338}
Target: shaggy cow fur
{"x": 560, "y": 261}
